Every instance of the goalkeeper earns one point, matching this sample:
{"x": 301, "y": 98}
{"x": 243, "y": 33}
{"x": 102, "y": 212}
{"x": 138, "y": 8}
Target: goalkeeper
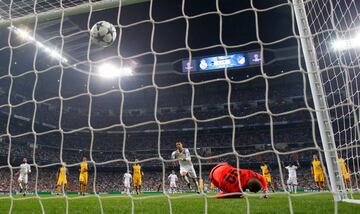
{"x": 226, "y": 178}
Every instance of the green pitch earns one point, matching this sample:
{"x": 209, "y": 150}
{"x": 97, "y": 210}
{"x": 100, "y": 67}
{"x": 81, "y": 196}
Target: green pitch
{"x": 182, "y": 203}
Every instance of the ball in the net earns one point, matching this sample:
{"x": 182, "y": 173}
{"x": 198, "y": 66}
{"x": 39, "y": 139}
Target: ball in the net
{"x": 103, "y": 33}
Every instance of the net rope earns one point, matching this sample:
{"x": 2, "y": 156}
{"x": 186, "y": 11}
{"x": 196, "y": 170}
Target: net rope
{"x": 339, "y": 73}
{"x": 331, "y": 21}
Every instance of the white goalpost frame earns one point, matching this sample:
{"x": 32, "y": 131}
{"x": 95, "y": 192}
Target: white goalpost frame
{"x": 323, "y": 117}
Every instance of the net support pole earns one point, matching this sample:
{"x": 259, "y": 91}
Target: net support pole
{"x": 70, "y": 11}
{"x": 318, "y": 95}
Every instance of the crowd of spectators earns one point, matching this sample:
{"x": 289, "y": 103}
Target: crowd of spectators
{"x": 245, "y": 129}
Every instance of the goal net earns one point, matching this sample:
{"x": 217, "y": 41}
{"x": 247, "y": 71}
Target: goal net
{"x": 250, "y": 83}
{"x": 335, "y": 29}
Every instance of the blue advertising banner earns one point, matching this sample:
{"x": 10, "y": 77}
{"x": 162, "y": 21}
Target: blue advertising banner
{"x": 236, "y": 60}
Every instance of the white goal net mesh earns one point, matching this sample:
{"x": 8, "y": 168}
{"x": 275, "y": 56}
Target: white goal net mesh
{"x": 55, "y": 107}
{"x": 335, "y": 26}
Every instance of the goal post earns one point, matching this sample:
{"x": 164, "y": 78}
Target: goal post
{"x": 320, "y": 104}
{"x": 330, "y": 40}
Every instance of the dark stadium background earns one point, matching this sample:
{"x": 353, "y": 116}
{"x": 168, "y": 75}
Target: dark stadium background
{"x": 249, "y": 127}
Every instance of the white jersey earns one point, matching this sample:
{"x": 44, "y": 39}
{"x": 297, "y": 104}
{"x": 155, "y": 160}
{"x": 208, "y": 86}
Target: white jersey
{"x": 292, "y": 171}
{"x": 186, "y": 166}
{"x": 186, "y": 154}
{"x": 173, "y": 178}
{"x": 127, "y": 178}
{"x": 24, "y": 169}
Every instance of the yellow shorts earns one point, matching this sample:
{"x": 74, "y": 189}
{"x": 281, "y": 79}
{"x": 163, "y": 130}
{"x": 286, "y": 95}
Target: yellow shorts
{"x": 346, "y": 176}
{"x": 137, "y": 181}
{"x": 83, "y": 178}
{"x": 61, "y": 181}
{"x": 319, "y": 177}
{"x": 268, "y": 178}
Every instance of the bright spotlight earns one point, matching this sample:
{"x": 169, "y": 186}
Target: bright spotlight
{"x": 342, "y": 44}
{"x": 339, "y": 44}
{"x": 25, "y": 35}
{"x": 110, "y": 71}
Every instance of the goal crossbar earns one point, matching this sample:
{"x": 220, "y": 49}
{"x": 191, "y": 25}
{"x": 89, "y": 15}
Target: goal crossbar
{"x": 70, "y": 11}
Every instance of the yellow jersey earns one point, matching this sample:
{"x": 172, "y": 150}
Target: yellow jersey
{"x": 201, "y": 184}
{"x": 212, "y": 186}
{"x": 317, "y": 168}
{"x": 137, "y": 170}
{"x": 84, "y": 167}
{"x": 343, "y": 167}
{"x": 265, "y": 170}
{"x": 62, "y": 172}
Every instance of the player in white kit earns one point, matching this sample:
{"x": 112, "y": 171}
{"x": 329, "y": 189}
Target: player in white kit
{"x": 292, "y": 179}
{"x": 23, "y": 176}
{"x": 127, "y": 182}
{"x": 173, "y": 178}
{"x": 183, "y": 157}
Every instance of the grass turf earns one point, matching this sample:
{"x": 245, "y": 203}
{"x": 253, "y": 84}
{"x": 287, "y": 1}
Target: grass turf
{"x": 183, "y": 203}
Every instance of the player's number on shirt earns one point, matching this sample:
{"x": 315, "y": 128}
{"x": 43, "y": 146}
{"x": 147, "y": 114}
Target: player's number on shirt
{"x": 231, "y": 176}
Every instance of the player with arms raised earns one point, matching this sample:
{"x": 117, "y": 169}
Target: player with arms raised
{"x": 226, "y": 178}
{"x": 137, "y": 176}
{"x": 345, "y": 172}
{"x": 83, "y": 176}
{"x": 173, "y": 178}
{"x": 62, "y": 178}
{"x": 317, "y": 172}
{"x": 127, "y": 182}
{"x": 183, "y": 157}
{"x": 23, "y": 178}
{"x": 266, "y": 173}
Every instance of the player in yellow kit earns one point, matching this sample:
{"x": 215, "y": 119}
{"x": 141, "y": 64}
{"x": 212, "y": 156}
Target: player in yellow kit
{"x": 212, "y": 187}
{"x": 317, "y": 172}
{"x": 266, "y": 173}
{"x": 137, "y": 176}
{"x": 345, "y": 172}
{"x": 201, "y": 185}
{"x": 62, "y": 178}
{"x": 83, "y": 177}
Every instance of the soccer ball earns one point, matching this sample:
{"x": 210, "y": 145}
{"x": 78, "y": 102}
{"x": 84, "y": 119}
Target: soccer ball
{"x": 103, "y": 33}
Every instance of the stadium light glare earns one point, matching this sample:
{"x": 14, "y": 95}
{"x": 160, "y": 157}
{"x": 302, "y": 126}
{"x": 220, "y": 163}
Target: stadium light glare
{"x": 25, "y": 35}
{"x": 352, "y": 43}
{"x": 109, "y": 71}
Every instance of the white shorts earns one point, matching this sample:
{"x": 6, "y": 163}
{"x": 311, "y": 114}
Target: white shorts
{"x": 189, "y": 170}
{"x": 127, "y": 185}
{"x": 292, "y": 181}
{"x": 23, "y": 178}
{"x": 173, "y": 184}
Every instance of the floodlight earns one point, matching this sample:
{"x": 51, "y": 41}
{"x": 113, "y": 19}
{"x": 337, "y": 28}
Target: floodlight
{"x": 109, "y": 71}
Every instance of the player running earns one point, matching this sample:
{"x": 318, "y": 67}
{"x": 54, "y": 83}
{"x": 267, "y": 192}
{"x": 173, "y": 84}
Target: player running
{"x": 183, "y": 157}
{"x": 292, "y": 179}
{"x": 226, "y": 178}
{"x": 266, "y": 173}
{"x": 127, "y": 182}
{"x": 23, "y": 178}
{"x": 137, "y": 176}
{"x": 62, "y": 179}
{"x": 317, "y": 172}
{"x": 173, "y": 178}
{"x": 345, "y": 172}
{"x": 83, "y": 176}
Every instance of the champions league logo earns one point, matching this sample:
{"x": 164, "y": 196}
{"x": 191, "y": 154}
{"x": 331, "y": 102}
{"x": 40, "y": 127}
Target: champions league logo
{"x": 203, "y": 65}
{"x": 241, "y": 60}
